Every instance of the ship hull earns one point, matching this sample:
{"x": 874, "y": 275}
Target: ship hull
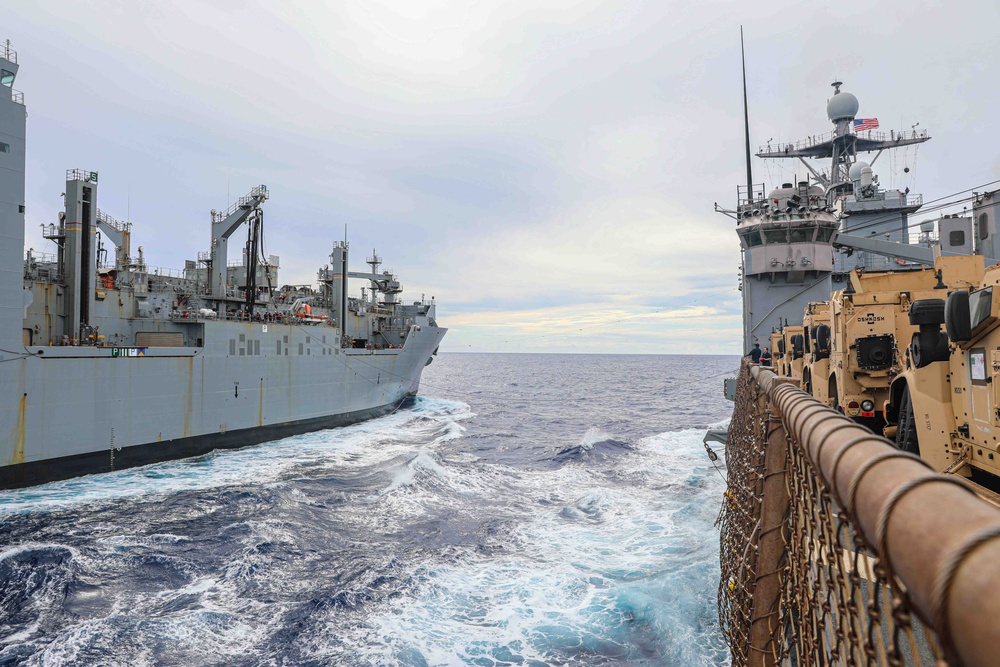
{"x": 69, "y": 411}
{"x": 95, "y": 462}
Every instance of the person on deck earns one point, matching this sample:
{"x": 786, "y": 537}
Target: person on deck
{"x": 754, "y": 354}
{"x": 765, "y": 357}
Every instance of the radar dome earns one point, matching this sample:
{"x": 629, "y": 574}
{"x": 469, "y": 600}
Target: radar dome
{"x": 927, "y": 226}
{"x": 842, "y": 106}
{"x": 855, "y": 173}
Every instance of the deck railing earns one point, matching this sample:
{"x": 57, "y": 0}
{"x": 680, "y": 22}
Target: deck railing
{"x": 838, "y": 549}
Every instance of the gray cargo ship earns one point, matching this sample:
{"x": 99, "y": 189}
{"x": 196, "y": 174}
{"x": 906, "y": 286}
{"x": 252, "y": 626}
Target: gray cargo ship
{"x": 107, "y": 363}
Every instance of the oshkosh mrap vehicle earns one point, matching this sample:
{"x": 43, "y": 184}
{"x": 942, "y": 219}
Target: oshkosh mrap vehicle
{"x": 946, "y": 405}
{"x": 871, "y": 329}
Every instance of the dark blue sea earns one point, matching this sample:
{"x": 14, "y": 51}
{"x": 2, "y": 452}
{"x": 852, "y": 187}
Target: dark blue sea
{"x": 524, "y": 510}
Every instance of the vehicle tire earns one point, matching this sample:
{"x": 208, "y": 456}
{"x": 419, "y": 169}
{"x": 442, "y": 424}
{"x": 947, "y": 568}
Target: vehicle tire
{"x": 927, "y": 311}
{"x": 906, "y": 427}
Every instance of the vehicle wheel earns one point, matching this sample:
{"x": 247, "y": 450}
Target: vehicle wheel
{"x": 906, "y": 428}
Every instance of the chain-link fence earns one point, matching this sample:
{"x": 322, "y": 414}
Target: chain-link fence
{"x": 838, "y": 549}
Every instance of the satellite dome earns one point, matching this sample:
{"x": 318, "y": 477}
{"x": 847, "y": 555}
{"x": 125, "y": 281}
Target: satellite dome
{"x": 927, "y": 226}
{"x": 855, "y": 173}
{"x": 842, "y": 106}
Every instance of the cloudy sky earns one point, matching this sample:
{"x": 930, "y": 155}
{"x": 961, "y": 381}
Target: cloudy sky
{"x": 546, "y": 169}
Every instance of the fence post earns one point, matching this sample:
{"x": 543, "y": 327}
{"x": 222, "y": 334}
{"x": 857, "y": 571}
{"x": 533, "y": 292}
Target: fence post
{"x": 772, "y": 544}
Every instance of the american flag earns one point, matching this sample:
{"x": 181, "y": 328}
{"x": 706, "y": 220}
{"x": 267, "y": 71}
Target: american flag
{"x": 861, "y": 124}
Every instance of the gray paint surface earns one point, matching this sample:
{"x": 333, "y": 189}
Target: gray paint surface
{"x": 83, "y": 385}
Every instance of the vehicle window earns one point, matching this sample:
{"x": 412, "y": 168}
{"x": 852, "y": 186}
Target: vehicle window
{"x": 980, "y": 304}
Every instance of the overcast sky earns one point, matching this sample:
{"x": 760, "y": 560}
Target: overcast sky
{"x": 547, "y": 170}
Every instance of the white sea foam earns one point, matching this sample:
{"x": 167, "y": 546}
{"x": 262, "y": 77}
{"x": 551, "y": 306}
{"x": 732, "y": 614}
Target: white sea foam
{"x": 587, "y": 562}
{"x": 360, "y": 445}
{"x": 593, "y": 436}
{"x": 633, "y": 566}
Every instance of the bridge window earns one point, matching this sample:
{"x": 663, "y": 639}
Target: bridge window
{"x": 824, "y": 234}
{"x": 776, "y": 236}
{"x": 6, "y": 78}
{"x": 751, "y": 238}
{"x": 802, "y": 235}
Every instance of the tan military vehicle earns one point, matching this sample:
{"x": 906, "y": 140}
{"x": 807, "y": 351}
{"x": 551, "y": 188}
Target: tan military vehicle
{"x": 794, "y": 346}
{"x": 816, "y": 362}
{"x": 946, "y": 405}
{"x": 786, "y": 350}
{"x": 871, "y": 331}
{"x": 778, "y": 353}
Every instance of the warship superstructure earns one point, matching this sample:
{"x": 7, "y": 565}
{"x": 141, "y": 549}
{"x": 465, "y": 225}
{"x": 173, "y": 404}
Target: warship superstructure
{"x": 106, "y": 362}
{"x": 800, "y": 240}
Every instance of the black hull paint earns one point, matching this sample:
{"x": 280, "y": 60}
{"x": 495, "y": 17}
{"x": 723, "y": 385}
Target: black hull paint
{"x": 68, "y": 467}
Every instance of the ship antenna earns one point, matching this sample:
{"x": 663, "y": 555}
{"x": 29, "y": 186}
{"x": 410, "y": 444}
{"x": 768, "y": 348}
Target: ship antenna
{"x": 746, "y": 119}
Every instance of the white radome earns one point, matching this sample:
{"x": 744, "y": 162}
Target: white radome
{"x": 842, "y": 106}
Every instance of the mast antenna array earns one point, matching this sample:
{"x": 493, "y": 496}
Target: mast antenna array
{"x": 746, "y": 119}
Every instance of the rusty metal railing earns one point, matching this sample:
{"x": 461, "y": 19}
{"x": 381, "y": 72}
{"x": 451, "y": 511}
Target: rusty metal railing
{"x": 837, "y": 548}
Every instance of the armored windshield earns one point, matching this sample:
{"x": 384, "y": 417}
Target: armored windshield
{"x": 979, "y": 306}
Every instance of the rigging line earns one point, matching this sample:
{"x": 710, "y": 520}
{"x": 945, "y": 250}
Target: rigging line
{"x": 890, "y": 217}
{"x": 768, "y": 313}
{"x": 24, "y": 356}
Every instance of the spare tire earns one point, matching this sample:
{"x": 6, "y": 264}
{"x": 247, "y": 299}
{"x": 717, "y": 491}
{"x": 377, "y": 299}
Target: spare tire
{"x": 927, "y": 311}
{"x": 957, "y": 318}
{"x": 823, "y": 338}
{"x": 781, "y": 346}
{"x": 926, "y": 347}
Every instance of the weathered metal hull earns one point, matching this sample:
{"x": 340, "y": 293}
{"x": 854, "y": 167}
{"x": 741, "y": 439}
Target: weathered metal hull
{"x": 66, "y": 411}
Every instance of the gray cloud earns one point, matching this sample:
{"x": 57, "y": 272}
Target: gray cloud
{"x": 549, "y": 162}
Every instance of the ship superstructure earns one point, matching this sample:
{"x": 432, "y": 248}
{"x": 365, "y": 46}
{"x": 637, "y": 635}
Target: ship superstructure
{"x": 106, "y": 362}
{"x": 791, "y": 236}
{"x": 787, "y": 254}
{"x": 851, "y": 185}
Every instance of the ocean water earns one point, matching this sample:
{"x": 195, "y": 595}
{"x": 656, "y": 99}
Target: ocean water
{"x": 524, "y": 510}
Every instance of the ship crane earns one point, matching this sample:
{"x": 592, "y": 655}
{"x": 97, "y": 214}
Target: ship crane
{"x": 120, "y": 234}
{"x": 224, "y": 225}
{"x": 893, "y": 249}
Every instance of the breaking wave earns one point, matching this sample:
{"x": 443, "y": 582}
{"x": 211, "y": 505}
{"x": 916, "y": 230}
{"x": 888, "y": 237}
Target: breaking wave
{"x": 480, "y": 532}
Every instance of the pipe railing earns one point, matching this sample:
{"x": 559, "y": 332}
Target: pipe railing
{"x": 929, "y": 530}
